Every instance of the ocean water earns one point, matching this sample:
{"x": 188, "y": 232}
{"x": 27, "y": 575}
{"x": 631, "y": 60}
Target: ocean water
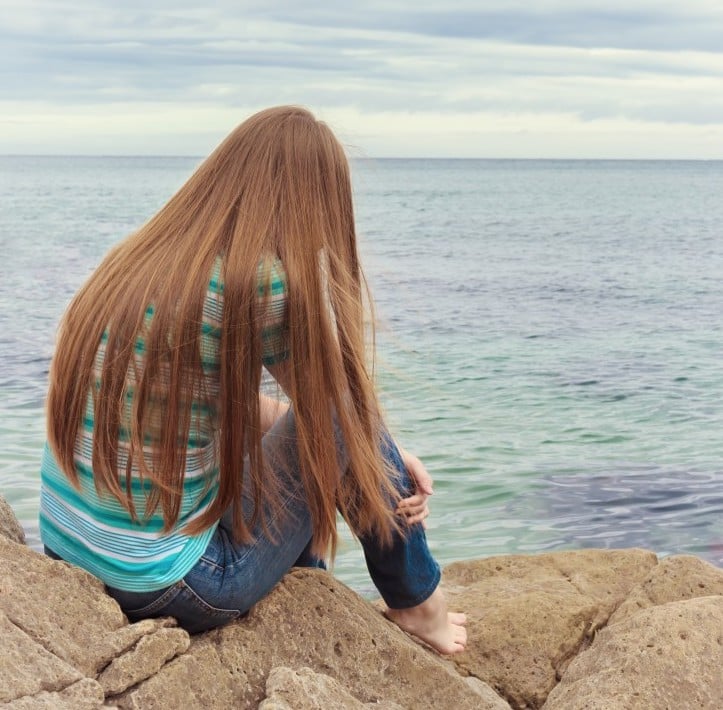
{"x": 550, "y": 337}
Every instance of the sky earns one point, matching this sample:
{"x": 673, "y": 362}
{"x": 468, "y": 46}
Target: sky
{"x": 396, "y": 78}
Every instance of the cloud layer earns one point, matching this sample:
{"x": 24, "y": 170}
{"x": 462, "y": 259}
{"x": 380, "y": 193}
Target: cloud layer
{"x": 565, "y": 79}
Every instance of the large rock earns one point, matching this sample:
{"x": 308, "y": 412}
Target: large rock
{"x": 26, "y": 668}
{"x": 528, "y": 616}
{"x": 674, "y": 579}
{"x": 9, "y": 525}
{"x": 310, "y": 621}
{"x": 61, "y": 607}
{"x": 621, "y": 630}
{"x": 666, "y": 657}
{"x": 86, "y": 694}
{"x": 60, "y": 628}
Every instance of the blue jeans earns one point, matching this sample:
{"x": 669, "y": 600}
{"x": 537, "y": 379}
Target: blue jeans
{"x": 230, "y": 578}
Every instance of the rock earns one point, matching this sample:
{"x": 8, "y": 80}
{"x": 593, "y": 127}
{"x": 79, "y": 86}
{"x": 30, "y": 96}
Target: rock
{"x": 143, "y": 661}
{"x": 112, "y": 646}
{"x": 528, "y": 616}
{"x": 309, "y": 620}
{"x": 674, "y": 579}
{"x": 666, "y": 657}
{"x": 618, "y": 629}
{"x": 287, "y": 689}
{"x": 60, "y": 607}
{"x": 86, "y": 694}
{"x": 196, "y": 680}
{"x": 9, "y": 525}
{"x": 490, "y": 699}
{"x": 26, "y": 668}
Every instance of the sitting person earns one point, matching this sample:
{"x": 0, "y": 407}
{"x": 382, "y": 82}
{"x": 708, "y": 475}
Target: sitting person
{"x": 167, "y": 474}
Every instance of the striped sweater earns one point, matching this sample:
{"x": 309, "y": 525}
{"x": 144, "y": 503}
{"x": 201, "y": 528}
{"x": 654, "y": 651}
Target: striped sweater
{"x": 95, "y": 531}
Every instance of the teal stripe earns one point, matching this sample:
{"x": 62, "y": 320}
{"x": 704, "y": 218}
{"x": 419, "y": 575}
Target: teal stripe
{"x": 108, "y": 510}
{"x": 198, "y": 441}
{"x": 121, "y": 575}
{"x": 111, "y": 514}
{"x": 209, "y": 329}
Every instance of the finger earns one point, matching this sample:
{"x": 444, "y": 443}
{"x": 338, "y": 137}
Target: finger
{"x": 417, "y": 517}
{"x": 413, "y": 515}
{"x": 412, "y": 507}
{"x": 416, "y": 499}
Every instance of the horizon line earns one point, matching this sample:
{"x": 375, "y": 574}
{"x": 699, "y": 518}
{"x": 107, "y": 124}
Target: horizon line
{"x": 373, "y": 158}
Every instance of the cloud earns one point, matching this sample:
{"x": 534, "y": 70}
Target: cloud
{"x": 572, "y": 24}
{"x": 659, "y": 64}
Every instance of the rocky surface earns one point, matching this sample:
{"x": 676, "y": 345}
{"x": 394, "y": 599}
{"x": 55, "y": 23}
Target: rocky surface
{"x": 530, "y": 615}
{"x": 9, "y": 525}
{"x": 667, "y": 656}
{"x": 560, "y": 631}
{"x": 287, "y": 689}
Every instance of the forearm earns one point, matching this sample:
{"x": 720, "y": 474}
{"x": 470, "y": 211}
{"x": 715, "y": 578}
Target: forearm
{"x": 270, "y": 410}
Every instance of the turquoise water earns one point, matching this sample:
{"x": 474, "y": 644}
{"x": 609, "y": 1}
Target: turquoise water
{"x": 550, "y": 337}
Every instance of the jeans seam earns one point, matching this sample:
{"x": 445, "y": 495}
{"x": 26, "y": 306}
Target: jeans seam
{"x": 252, "y": 545}
{"x": 211, "y": 563}
{"x": 166, "y": 598}
{"x": 208, "y": 608}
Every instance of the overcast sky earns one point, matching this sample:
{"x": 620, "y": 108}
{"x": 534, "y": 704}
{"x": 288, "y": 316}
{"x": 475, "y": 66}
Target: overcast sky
{"x": 458, "y": 78}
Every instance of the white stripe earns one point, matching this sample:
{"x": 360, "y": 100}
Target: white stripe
{"x": 105, "y": 554}
{"x": 200, "y": 461}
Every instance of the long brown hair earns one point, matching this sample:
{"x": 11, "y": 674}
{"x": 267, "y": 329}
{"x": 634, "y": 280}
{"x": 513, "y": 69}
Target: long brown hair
{"x": 279, "y": 185}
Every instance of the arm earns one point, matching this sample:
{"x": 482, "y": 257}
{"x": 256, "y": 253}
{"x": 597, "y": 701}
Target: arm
{"x": 270, "y": 410}
{"x": 281, "y": 372}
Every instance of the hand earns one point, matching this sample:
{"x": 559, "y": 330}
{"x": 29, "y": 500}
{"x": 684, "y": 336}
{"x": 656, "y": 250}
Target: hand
{"x": 415, "y": 508}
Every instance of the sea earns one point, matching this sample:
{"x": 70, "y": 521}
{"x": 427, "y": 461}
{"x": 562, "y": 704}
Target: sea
{"x": 549, "y": 337}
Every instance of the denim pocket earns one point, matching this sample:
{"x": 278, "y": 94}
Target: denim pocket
{"x": 143, "y": 605}
{"x": 180, "y": 601}
{"x": 195, "y": 614}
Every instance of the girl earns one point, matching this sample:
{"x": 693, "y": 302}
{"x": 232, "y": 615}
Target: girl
{"x": 167, "y": 474}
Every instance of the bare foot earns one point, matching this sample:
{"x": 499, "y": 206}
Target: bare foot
{"x": 432, "y": 623}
